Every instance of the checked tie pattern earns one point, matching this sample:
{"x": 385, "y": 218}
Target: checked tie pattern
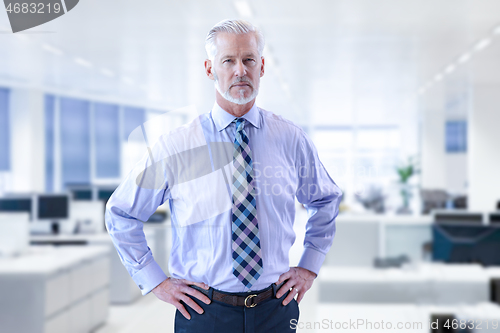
{"x": 247, "y": 257}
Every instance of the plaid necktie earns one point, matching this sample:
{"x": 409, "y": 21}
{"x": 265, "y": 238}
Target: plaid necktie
{"x": 247, "y": 257}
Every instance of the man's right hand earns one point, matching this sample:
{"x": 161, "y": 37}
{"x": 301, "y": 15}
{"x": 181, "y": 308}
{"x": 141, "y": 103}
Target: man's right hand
{"x": 174, "y": 291}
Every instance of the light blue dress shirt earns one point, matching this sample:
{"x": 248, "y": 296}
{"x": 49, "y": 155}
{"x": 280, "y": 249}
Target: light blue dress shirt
{"x": 192, "y": 168}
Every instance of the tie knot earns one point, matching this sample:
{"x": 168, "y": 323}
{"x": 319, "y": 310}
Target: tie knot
{"x": 240, "y": 123}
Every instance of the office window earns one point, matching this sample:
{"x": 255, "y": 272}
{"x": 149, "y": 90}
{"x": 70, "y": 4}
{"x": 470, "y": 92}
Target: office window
{"x": 106, "y": 140}
{"x": 456, "y": 136}
{"x": 4, "y": 130}
{"x": 361, "y": 155}
{"x": 132, "y": 118}
{"x": 334, "y": 141}
{"x": 375, "y": 139}
{"x": 49, "y": 142}
{"x": 75, "y": 141}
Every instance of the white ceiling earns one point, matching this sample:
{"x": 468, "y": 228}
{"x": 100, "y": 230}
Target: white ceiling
{"x": 333, "y": 61}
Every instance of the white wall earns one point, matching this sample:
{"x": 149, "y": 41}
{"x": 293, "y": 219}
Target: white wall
{"x": 456, "y": 173}
{"x": 484, "y": 151}
{"x": 433, "y": 155}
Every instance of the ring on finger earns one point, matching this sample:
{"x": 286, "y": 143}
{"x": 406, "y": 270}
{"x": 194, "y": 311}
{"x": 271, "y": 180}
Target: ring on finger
{"x": 296, "y": 290}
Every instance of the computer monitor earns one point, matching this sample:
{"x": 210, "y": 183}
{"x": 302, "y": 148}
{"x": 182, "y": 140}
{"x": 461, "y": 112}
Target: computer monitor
{"x": 17, "y": 204}
{"x": 466, "y": 244}
{"x": 495, "y": 218}
{"x": 53, "y": 208}
{"x": 105, "y": 193}
{"x": 454, "y": 217}
{"x": 82, "y": 194}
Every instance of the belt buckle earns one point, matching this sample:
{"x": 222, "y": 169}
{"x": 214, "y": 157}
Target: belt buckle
{"x": 251, "y": 305}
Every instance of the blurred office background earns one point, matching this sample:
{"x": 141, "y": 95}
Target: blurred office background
{"x": 401, "y": 98}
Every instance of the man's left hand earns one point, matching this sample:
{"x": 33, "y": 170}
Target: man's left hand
{"x": 299, "y": 280}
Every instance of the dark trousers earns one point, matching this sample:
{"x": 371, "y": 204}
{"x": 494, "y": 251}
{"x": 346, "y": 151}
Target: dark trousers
{"x": 269, "y": 316}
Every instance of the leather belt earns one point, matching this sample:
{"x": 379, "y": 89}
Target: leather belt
{"x": 249, "y": 301}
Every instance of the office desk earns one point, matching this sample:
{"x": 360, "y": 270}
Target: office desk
{"x": 123, "y": 290}
{"x": 425, "y": 284}
{"x": 360, "y": 239}
{"x": 55, "y": 290}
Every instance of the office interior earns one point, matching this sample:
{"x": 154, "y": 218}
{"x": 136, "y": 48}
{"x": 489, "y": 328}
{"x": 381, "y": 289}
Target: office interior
{"x": 400, "y": 98}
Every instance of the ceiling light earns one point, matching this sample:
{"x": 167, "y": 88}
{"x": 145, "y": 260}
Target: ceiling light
{"x": 496, "y": 31}
{"x": 243, "y": 8}
{"x": 464, "y": 57}
{"x": 450, "y": 68}
{"x": 83, "y": 62}
{"x": 438, "y": 77}
{"x": 107, "y": 72}
{"x": 482, "y": 44}
{"x": 52, "y": 49}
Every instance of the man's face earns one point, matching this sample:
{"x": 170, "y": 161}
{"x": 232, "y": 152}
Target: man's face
{"x": 237, "y": 67}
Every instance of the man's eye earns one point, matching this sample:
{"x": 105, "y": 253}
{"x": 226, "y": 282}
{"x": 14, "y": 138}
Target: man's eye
{"x": 227, "y": 60}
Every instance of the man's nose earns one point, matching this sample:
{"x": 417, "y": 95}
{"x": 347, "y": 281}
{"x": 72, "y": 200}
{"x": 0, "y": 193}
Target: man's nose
{"x": 240, "y": 69}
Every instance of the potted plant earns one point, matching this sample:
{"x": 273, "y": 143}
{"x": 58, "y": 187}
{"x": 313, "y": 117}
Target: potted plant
{"x": 405, "y": 172}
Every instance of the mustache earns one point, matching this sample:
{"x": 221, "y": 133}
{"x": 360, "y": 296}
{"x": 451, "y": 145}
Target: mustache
{"x": 242, "y": 79}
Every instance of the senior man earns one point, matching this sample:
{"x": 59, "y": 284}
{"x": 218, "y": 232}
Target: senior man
{"x": 231, "y": 177}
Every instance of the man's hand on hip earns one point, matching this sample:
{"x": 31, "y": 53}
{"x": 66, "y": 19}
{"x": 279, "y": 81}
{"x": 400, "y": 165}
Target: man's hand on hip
{"x": 174, "y": 291}
{"x": 298, "y": 278}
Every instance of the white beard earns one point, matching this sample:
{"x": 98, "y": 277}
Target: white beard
{"x": 240, "y": 100}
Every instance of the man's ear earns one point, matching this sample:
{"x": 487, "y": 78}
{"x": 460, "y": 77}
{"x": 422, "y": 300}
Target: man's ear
{"x": 208, "y": 69}
{"x": 262, "y": 67}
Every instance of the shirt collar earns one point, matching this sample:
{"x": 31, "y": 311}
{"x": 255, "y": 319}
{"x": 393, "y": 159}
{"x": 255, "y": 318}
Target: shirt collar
{"x": 223, "y": 118}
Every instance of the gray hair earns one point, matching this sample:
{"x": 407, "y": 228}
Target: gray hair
{"x": 233, "y": 27}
